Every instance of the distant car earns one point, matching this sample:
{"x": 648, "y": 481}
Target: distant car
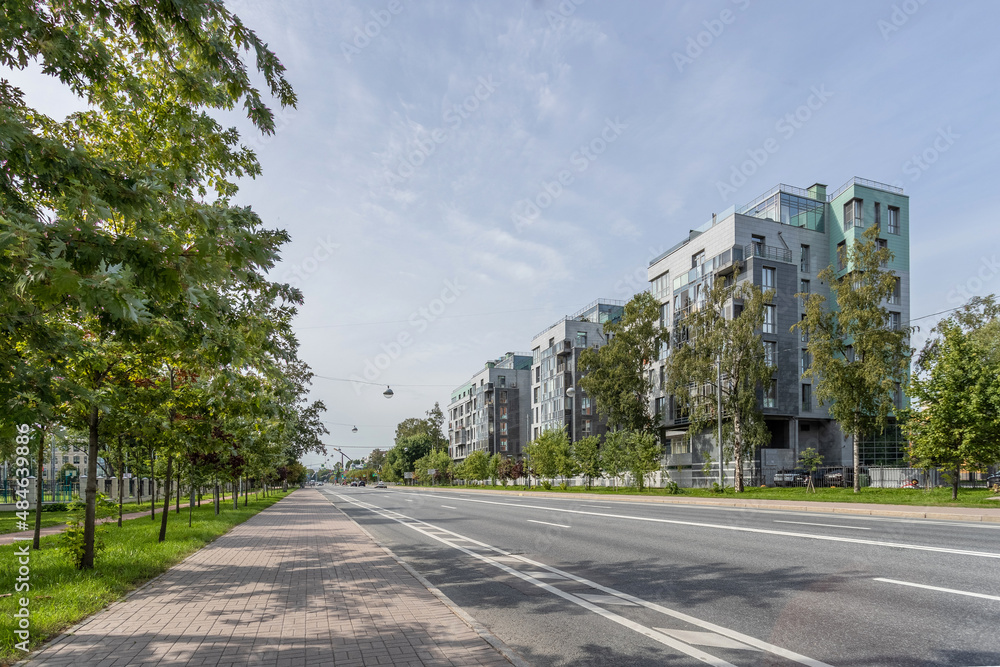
{"x": 793, "y": 477}
{"x": 361, "y": 483}
{"x": 354, "y": 483}
{"x": 320, "y": 484}
{"x": 381, "y": 485}
{"x": 993, "y": 479}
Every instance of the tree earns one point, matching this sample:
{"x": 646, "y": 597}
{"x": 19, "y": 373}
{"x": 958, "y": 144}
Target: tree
{"x": 642, "y": 455}
{"x": 858, "y": 360}
{"x": 493, "y": 470}
{"x": 505, "y": 470}
{"x": 587, "y": 456}
{"x": 432, "y": 425}
{"x": 954, "y": 423}
{"x": 376, "y": 459}
{"x": 616, "y": 376}
{"x": 402, "y": 457}
{"x": 549, "y": 454}
{"x": 811, "y": 460}
{"x": 613, "y": 455}
{"x": 477, "y": 466}
{"x": 730, "y": 348}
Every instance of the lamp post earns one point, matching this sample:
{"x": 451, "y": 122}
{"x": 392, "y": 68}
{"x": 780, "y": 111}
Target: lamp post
{"x": 570, "y": 393}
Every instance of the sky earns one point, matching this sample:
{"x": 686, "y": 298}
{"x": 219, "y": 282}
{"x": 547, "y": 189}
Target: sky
{"x": 459, "y": 175}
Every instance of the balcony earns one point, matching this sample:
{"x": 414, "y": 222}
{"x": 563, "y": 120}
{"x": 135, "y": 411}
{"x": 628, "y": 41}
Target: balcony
{"x": 768, "y": 252}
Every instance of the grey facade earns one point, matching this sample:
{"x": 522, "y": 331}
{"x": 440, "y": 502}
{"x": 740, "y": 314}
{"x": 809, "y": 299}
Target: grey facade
{"x": 491, "y": 412}
{"x": 781, "y": 240}
{"x": 555, "y": 355}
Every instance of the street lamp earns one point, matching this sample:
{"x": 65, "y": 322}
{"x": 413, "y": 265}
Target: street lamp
{"x": 354, "y": 430}
{"x": 570, "y": 393}
{"x": 388, "y": 392}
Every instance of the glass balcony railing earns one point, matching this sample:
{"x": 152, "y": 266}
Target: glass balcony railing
{"x": 768, "y": 252}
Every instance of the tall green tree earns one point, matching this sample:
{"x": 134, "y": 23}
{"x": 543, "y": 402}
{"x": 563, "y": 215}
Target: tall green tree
{"x": 729, "y": 347}
{"x": 954, "y": 422}
{"x": 614, "y": 455}
{"x": 643, "y": 454}
{"x": 587, "y": 456}
{"x": 858, "y": 360}
{"x": 549, "y": 454}
{"x": 616, "y": 375}
{"x": 476, "y": 466}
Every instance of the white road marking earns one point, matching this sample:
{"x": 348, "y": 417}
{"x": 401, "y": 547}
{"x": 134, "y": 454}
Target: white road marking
{"x": 828, "y": 525}
{"x": 538, "y": 575}
{"x": 938, "y": 588}
{"x": 422, "y": 526}
{"x": 449, "y": 507}
{"x": 557, "y": 525}
{"x": 764, "y": 531}
{"x": 600, "y": 507}
{"x": 607, "y": 599}
{"x": 706, "y": 639}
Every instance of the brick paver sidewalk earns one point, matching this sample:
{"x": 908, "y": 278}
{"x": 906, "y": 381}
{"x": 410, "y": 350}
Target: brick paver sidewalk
{"x": 297, "y": 584}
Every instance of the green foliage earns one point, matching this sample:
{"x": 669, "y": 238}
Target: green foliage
{"x": 643, "y": 454}
{"x": 549, "y": 454}
{"x": 587, "y": 457}
{"x": 55, "y": 507}
{"x": 955, "y": 420}
{"x": 477, "y": 466}
{"x": 730, "y": 347}
{"x": 438, "y": 461}
{"x": 811, "y": 460}
{"x": 857, "y": 360}
{"x": 614, "y": 455}
{"x": 616, "y": 374}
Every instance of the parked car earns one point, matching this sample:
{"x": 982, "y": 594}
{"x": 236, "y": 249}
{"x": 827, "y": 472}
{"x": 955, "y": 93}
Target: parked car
{"x": 354, "y": 483}
{"x": 993, "y": 479}
{"x": 793, "y": 477}
{"x": 361, "y": 483}
{"x": 381, "y": 485}
{"x": 833, "y": 478}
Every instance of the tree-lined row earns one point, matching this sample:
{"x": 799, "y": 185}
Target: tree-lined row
{"x": 136, "y": 306}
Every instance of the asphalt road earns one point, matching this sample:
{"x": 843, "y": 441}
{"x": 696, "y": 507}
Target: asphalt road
{"x": 582, "y": 582}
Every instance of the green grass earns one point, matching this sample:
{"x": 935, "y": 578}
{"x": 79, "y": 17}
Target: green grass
{"x": 61, "y": 595}
{"x": 939, "y": 497}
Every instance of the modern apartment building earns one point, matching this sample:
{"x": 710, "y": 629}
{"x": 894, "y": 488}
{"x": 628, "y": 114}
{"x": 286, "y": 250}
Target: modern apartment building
{"x": 782, "y": 240}
{"x": 555, "y": 354}
{"x": 491, "y": 412}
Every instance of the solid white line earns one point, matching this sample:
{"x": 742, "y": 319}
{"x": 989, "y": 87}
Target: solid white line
{"x": 938, "y": 588}
{"x": 449, "y": 507}
{"x": 828, "y": 525}
{"x": 763, "y": 531}
{"x": 600, "y": 507}
{"x": 557, "y": 525}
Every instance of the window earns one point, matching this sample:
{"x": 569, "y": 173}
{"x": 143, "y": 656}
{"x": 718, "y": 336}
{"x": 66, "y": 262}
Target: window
{"x": 503, "y": 428}
{"x": 536, "y": 395}
{"x": 503, "y": 412}
{"x": 76, "y": 460}
{"x": 680, "y": 446}
{"x": 65, "y": 459}
{"x": 770, "y": 353}
{"x": 771, "y": 394}
{"x": 842, "y": 255}
{"x": 849, "y": 353}
{"x": 503, "y": 444}
{"x": 804, "y": 286}
{"x": 852, "y": 214}
{"x": 767, "y": 279}
{"x": 758, "y": 245}
{"x": 501, "y": 380}
{"x": 586, "y": 427}
{"x": 804, "y": 260}
{"x": 896, "y": 298}
{"x": 538, "y": 373}
{"x": 803, "y": 331}
{"x": 661, "y": 285}
{"x": 895, "y": 321}
{"x": 503, "y": 396}
{"x": 663, "y": 378}
{"x": 585, "y": 405}
{"x": 664, "y": 315}
{"x": 893, "y": 220}
{"x": 805, "y": 362}
{"x": 581, "y": 339}
{"x": 883, "y": 245}
{"x": 697, "y": 259}
{"x": 770, "y": 324}
{"x": 658, "y": 405}
{"x": 807, "y": 398}
{"x": 897, "y": 396}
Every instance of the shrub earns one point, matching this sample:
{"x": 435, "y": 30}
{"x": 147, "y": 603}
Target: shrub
{"x": 55, "y": 507}
{"x": 547, "y": 485}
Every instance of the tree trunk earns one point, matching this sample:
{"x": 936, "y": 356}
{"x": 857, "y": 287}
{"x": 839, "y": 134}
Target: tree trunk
{"x": 738, "y": 482}
{"x": 954, "y": 483}
{"x": 166, "y": 499}
{"x": 40, "y": 490}
{"x": 191, "y": 503}
{"x": 236, "y": 494}
{"x": 216, "y": 498}
{"x": 121, "y": 479}
{"x": 246, "y": 490}
{"x": 857, "y": 462}
{"x": 90, "y": 515}
{"x": 178, "y": 510}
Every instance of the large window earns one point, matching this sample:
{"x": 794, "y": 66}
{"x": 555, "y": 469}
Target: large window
{"x": 841, "y": 255}
{"x": 767, "y": 278}
{"x": 878, "y": 215}
{"x": 680, "y": 446}
{"x": 893, "y": 220}
{"x": 697, "y": 259}
{"x": 804, "y": 260}
{"x": 770, "y": 319}
{"x": 771, "y": 394}
{"x": 805, "y": 362}
{"x": 852, "y": 214}
{"x": 895, "y": 321}
{"x": 803, "y": 332}
{"x": 758, "y": 243}
{"x": 661, "y": 285}
{"x": 581, "y": 339}
{"x": 770, "y": 353}
{"x": 896, "y": 297}
{"x": 807, "y": 398}
{"x": 585, "y": 405}
{"x": 804, "y": 288}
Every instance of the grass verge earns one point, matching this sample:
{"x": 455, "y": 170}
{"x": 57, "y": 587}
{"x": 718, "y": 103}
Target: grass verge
{"x": 60, "y": 595}
{"x": 939, "y": 497}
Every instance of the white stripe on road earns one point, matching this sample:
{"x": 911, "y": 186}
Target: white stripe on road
{"x": 423, "y": 528}
{"x": 449, "y": 507}
{"x": 828, "y": 525}
{"x": 600, "y": 507}
{"x": 762, "y": 531}
{"x": 557, "y": 525}
{"x": 938, "y": 588}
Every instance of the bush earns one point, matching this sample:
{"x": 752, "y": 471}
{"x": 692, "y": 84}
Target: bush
{"x": 547, "y": 485}
{"x": 564, "y": 486}
{"x": 673, "y": 488}
{"x": 55, "y": 507}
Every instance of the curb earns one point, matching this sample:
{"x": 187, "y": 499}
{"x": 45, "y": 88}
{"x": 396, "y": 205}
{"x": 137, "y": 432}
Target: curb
{"x": 917, "y": 512}
{"x": 490, "y": 638}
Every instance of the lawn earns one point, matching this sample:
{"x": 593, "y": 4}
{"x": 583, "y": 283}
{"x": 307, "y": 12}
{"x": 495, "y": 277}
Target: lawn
{"x": 939, "y": 497}
{"x": 61, "y": 595}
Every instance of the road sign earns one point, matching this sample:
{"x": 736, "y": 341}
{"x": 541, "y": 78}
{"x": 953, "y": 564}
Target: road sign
{"x": 432, "y": 471}
{"x": 408, "y": 475}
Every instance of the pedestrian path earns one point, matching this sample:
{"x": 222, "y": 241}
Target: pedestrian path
{"x": 298, "y": 584}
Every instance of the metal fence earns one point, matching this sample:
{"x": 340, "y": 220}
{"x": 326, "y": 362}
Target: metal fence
{"x": 60, "y": 493}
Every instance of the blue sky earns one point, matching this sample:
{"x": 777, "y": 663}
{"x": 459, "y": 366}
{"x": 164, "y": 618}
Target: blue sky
{"x": 404, "y": 173}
